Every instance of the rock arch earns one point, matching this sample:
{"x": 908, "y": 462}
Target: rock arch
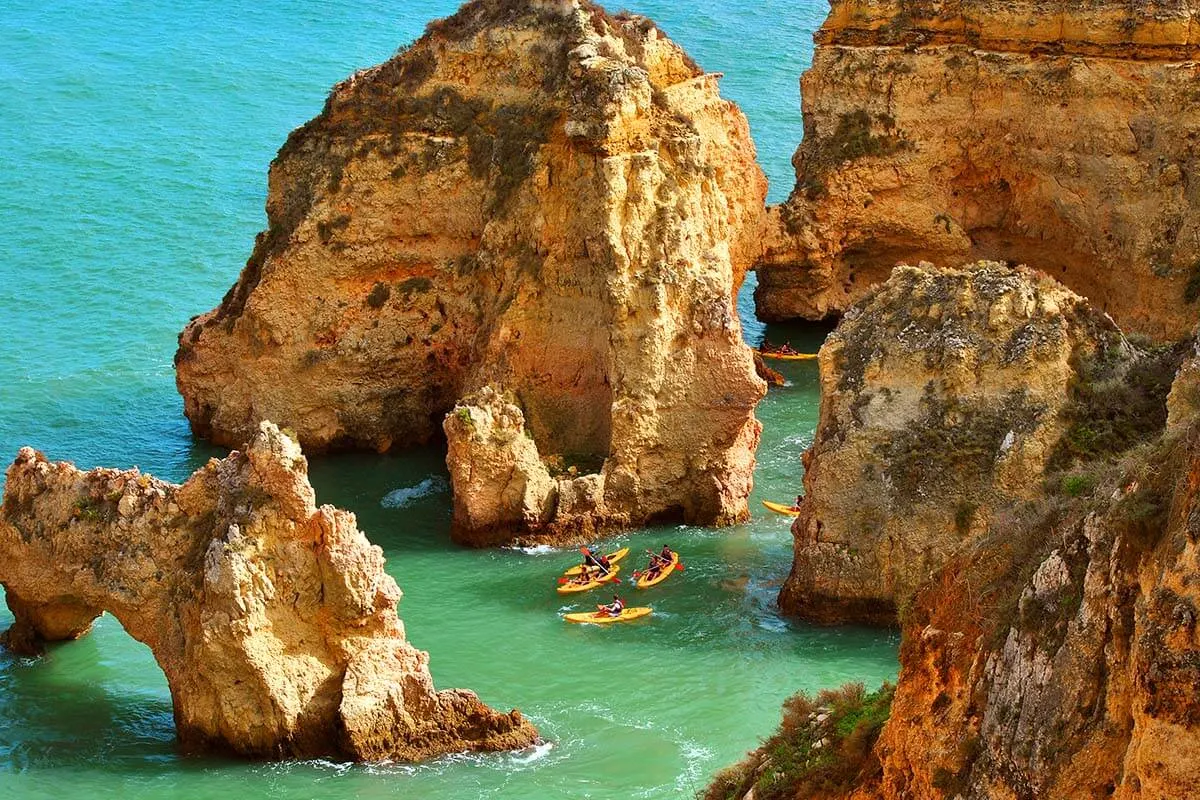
{"x": 273, "y": 619}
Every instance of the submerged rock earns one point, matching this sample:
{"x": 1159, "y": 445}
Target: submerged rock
{"x": 272, "y": 619}
{"x": 945, "y": 395}
{"x": 1061, "y": 135}
{"x": 538, "y": 197}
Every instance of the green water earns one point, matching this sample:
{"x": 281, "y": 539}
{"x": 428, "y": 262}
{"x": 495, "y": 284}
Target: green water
{"x": 134, "y": 139}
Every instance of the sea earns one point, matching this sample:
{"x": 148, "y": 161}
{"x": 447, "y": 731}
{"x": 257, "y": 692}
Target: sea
{"x": 135, "y": 137}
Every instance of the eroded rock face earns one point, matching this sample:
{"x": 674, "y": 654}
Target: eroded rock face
{"x": 1026, "y": 132}
{"x": 945, "y": 394}
{"x": 1059, "y": 657}
{"x": 537, "y": 197}
{"x": 272, "y": 619}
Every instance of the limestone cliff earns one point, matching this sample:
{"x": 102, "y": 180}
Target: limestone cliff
{"x": 1052, "y": 653}
{"x": 272, "y": 619}
{"x": 538, "y": 197}
{"x": 1058, "y": 658}
{"x": 946, "y": 395}
{"x": 1062, "y": 135}
{"x": 1055, "y": 659}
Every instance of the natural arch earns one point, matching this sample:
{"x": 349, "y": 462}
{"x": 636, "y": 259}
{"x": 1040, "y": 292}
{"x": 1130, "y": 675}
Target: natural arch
{"x": 272, "y": 619}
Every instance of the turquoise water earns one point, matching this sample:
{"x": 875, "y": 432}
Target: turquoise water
{"x": 134, "y": 141}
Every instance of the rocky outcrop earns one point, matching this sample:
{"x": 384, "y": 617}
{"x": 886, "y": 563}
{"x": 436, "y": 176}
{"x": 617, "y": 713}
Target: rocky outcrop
{"x": 1058, "y": 658}
{"x": 272, "y": 619}
{"x": 538, "y": 197}
{"x": 1065, "y": 136}
{"x": 1054, "y": 654}
{"x": 946, "y": 395}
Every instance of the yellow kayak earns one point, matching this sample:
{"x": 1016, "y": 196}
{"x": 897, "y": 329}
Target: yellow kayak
{"x": 601, "y": 618}
{"x": 646, "y": 582}
{"x": 780, "y": 508}
{"x": 612, "y": 559}
{"x": 787, "y": 356}
{"x": 575, "y": 586}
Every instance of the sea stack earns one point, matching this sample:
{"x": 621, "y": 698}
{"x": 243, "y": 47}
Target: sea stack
{"x": 947, "y": 395}
{"x": 272, "y": 618}
{"x": 540, "y": 199}
{"x": 1062, "y": 136}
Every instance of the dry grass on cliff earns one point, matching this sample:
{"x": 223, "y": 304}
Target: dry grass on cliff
{"x": 824, "y": 746}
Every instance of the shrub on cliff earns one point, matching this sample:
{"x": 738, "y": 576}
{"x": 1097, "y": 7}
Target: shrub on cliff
{"x": 823, "y": 747}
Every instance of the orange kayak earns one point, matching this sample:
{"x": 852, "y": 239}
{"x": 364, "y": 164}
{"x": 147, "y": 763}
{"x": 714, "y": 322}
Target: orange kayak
{"x": 647, "y": 580}
{"x": 574, "y": 586}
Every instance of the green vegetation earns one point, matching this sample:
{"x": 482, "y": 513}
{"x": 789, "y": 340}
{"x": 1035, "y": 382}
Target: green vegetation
{"x": 415, "y": 285}
{"x": 1191, "y": 291}
{"x": 1078, "y": 484}
{"x": 1116, "y": 404}
{"x": 93, "y": 510}
{"x": 379, "y": 295}
{"x": 823, "y": 746}
{"x": 327, "y": 229}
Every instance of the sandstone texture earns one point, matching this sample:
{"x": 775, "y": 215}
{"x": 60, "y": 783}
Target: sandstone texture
{"x": 536, "y": 197}
{"x": 1061, "y": 135}
{"x": 1059, "y": 657}
{"x": 946, "y": 395}
{"x": 1052, "y": 651}
{"x": 272, "y": 619}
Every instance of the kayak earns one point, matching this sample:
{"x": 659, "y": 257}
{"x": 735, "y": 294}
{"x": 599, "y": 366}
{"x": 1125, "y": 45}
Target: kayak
{"x": 601, "y": 618}
{"x": 787, "y": 356}
{"x": 612, "y": 559}
{"x": 780, "y": 508}
{"x": 573, "y": 586}
{"x": 660, "y": 576}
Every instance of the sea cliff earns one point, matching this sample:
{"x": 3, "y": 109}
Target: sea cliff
{"x": 1024, "y": 132}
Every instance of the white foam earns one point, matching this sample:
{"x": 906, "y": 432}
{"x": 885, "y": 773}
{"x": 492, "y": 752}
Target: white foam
{"x": 535, "y": 752}
{"x": 404, "y": 496}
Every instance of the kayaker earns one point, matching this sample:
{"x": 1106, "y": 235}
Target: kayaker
{"x": 799, "y": 500}
{"x": 604, "y": 564}
{"x": 666, "y": 554}
{"x": 589, "y": 558}
{"x": 614, "y": 608}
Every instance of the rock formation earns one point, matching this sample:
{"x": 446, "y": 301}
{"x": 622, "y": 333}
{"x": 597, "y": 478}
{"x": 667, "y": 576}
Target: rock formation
{"x": 945, "y": 395}
{"x": 1054, "y": 653}
{"x": 1059, "y": 657}
{"x": 537, "y": 197}
{"x": 273, "y": 619}
{"x": 1065, "y": 136}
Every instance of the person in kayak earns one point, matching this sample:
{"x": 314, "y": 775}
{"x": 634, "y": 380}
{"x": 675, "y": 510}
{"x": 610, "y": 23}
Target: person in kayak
{"x": 604, "y": 564}
{"x": 614, "y": 608}
{"x": 589, "y": 558}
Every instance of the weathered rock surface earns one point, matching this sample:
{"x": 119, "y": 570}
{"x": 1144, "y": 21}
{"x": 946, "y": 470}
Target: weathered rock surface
{"x": 1065, "y": 136}
{"x": 1054, "y": 654}
{"x": 537, "y": 197}
{"x": 945, "y": 395}
{"x": 272, "y": 619}
{"x": 1059, "y": 658}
